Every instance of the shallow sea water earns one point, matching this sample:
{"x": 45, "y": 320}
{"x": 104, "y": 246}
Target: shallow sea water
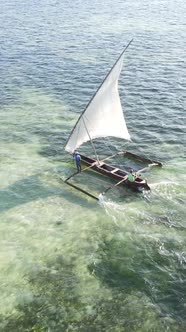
{"x": 67, "y": 262}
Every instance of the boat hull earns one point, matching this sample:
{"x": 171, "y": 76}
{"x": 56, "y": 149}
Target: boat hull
{"x": 115, "y": 173}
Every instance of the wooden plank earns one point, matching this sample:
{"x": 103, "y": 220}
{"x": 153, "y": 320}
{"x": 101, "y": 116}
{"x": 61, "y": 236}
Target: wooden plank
{"x": 114, "y": 170}
{"x": 115, "y": 185}
{"x": 88, "y": 167}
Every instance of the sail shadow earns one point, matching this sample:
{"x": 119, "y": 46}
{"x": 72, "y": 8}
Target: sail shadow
{"x": 24, "y": 191}
{"x": 31, "y": 189}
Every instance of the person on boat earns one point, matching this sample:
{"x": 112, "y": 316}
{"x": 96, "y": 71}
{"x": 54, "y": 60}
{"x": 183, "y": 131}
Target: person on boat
{"x": 131, "y": 176}
{"x": 78, "y": 161}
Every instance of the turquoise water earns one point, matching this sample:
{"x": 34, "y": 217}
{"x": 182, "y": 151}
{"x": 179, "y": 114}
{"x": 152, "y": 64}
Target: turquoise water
{"x": 67, "y": 262}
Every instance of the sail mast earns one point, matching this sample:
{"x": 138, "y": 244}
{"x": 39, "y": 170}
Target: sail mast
{"x": 96, "y": 155}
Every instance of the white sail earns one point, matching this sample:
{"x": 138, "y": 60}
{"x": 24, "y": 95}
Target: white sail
{"x": 103, "y": 116}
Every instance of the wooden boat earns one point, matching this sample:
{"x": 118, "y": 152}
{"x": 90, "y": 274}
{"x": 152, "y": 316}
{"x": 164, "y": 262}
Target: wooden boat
{"x": 115, "y": 173}
{"x": 103, "y": 117}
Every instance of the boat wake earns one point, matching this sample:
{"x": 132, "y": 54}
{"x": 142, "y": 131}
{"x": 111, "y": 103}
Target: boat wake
{"x": 103, "y": 201}
{"x": 163, "y": 184}
{"x": 157, "y": 206}
{"x": 165, "y": 189}
{"x": 112, "y": 209}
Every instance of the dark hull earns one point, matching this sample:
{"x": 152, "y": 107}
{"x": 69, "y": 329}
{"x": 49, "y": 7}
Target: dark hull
{"x": 115, "y": 173}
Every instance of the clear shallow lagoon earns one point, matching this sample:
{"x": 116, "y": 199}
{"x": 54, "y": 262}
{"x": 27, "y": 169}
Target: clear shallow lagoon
{"x": 68, "y": 263}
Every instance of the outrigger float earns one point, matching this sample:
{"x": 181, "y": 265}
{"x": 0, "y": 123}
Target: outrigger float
{"x": 104, "y": 117}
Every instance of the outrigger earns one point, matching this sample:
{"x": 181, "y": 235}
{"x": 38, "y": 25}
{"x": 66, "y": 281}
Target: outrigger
{"x": 115, "y": 173}
{"x": 104, "y": 117}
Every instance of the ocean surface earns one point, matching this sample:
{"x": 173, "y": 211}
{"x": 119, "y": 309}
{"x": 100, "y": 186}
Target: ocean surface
{"x": 67, "y": 262}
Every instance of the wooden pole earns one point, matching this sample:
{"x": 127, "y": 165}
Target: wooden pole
{"x": 115, "y": 185}
{"x": 91, "y": 140}
{"x": 82, "y": 190}
{"x": 143, "y": 169}
{"x": 71, "y": 176}
{"x": 101, "y": 161}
